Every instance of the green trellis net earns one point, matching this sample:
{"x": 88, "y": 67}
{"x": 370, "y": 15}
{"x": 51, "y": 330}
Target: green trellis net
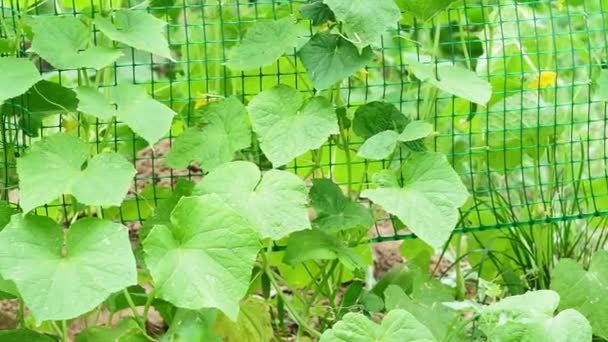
{"x": 536, "y": 154}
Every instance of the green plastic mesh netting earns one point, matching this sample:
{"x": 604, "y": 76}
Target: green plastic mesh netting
{"x": 535, "y": 154}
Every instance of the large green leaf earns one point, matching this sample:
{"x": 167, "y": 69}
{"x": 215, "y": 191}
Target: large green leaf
{"x": 131, "y": 104}
{"x": 454, "y": 80}
{"x": 329, "y": 58}
{"x": 397, "y": 326}
{"x": 336, "y": 212}
{"x": 18, "y": 75}
{"x": 54, "y": 166}
{"x": 365, "y": 21}
{"x": 64, "y": 42}
{"x": 529, "y": 317}
{"x": 138, "y": 29}
{"x": 587, "y": 292}
{"x": 263, "y": 44}
{"x": 287, "y": 126}
{"x": 426, "y": 9}
{"x": 425, "y": 196}
{"x": 223, "y": 130}
{"x": 275, "y": 204}
{"x": 317, "y": 245}
{"x": 63, "y": 277}
{"x": 205, "y": 259}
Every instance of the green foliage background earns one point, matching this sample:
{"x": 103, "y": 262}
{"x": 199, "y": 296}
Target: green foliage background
{"x": 512, "y": 92}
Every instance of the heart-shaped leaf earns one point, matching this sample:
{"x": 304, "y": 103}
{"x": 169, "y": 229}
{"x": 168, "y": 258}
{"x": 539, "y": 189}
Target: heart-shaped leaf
{"x": 329, "y": 58}
{"x": 275, "y": 204}
{"x": 287, "y": 126}
{"x": 224, "y": 130}
{"x": 65, "y": 42}
{"x": 425, "y": 196}
{"x": 61, "y": 278}
{"x": 204, "y": 260}
{"x": 104, "y": 181}
{"x": 263, "y": 44}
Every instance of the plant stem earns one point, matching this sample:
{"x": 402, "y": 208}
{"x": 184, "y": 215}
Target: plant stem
{"x": 136, "y": 314}
{"x": 460, "y": 288}
{"x": 64, "y": 328}
{"x": 21, "y": 313}
{"x": 58, "y": 331}
{"x": 343, "y": 138}
{"x": 349, "y": 168}
{"x": 292, "y": 311}
{"x": 304, "y": 81}
{"x": 106, "y": 136}
{"x": 148, "y": 304}
{"x": 288, "y": 305}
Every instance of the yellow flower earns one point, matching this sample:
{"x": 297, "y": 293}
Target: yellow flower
{"x": 201, "y": 102}
{"x": 69, "y": 124}
{"x": 325, "y": 25}
{"x": 363, "y": 73}
{"x": 560, "y": 5}
{"x": 545, "y": 79}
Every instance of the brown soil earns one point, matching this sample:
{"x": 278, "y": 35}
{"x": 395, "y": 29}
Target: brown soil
{"x": 386, "y": 254}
